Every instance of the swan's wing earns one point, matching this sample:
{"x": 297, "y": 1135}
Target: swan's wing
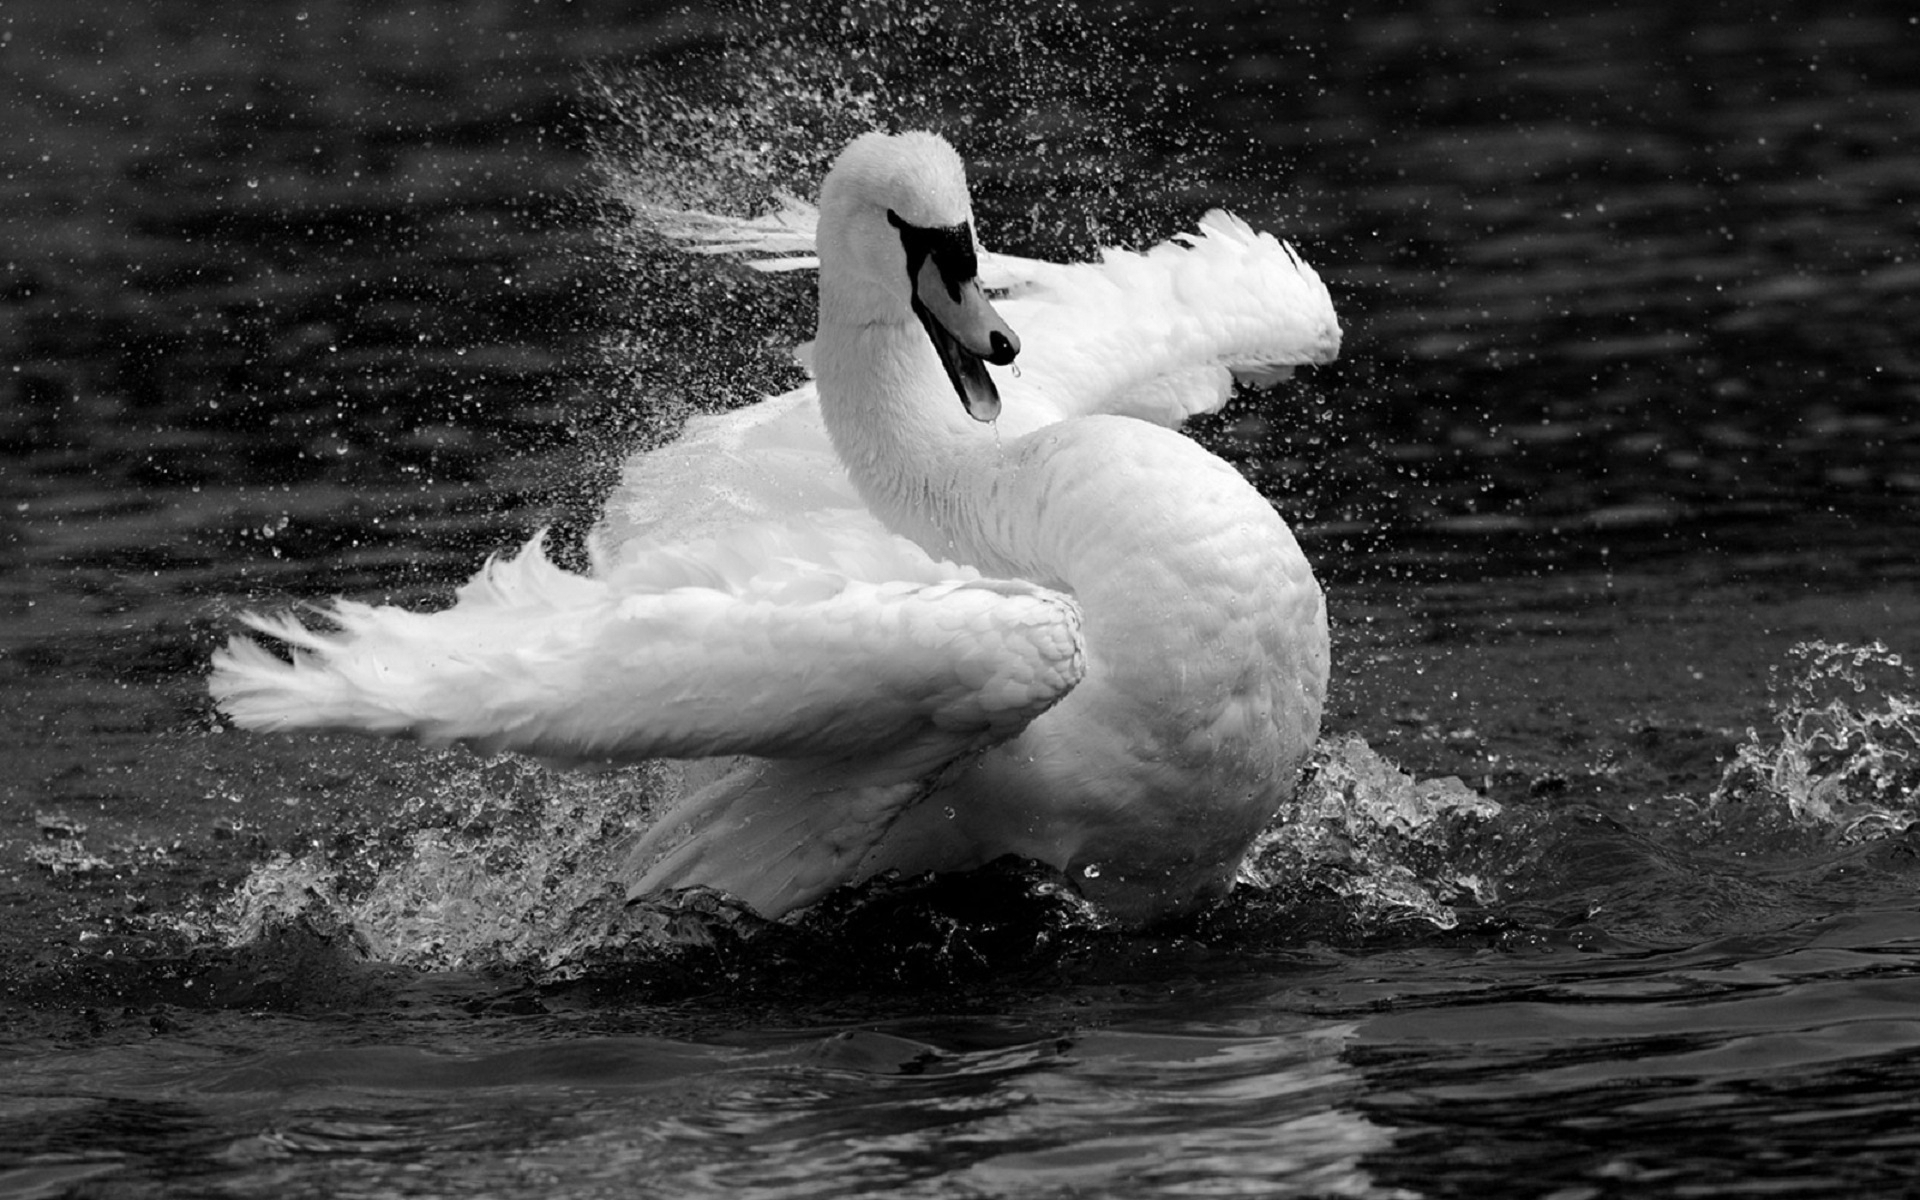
{"x": 1161, "y": 335}
{"x": 798, "y": 659}
{"x": 762, "y": 463}
{"x": 775, "y": 835}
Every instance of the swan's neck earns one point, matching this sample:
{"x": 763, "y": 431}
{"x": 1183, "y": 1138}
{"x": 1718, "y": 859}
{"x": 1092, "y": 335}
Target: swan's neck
{"x": 913, "y": 453}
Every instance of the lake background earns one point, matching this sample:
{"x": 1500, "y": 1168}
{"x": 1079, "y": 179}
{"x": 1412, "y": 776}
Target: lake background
{"x": 1614, "y": 492}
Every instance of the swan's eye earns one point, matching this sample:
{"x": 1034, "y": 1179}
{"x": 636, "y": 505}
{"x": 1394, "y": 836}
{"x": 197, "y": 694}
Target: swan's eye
{"x": 950, "y": 247}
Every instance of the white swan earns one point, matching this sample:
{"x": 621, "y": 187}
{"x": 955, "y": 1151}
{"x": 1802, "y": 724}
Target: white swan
{"x": 1074, "y": 636}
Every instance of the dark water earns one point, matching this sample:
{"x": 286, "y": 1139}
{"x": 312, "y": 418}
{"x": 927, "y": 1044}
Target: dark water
{"x": 1616, "y": 495}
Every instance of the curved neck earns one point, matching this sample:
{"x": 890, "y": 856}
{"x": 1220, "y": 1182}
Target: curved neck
{"x": 914, "y": 455}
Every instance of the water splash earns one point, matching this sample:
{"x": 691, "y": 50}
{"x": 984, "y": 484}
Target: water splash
{"x": 497, "y": 862}
{"x": 1389, "y": 845}
{"x": 1044, "y": 104}
{"x": 1019, "y": 89}
{"x": 506, "y": 864}
{"x": 1843, "y": 755}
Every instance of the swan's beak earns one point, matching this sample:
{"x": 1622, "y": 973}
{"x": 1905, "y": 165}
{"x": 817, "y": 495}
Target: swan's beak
{"x": 966, "y": 332}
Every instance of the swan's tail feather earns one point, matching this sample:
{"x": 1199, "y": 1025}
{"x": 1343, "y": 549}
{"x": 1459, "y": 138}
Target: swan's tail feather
{"x": 537, "y": 660}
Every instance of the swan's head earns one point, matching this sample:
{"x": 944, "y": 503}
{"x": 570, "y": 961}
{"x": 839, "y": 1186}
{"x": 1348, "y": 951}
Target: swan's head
{"x": 896, "y": 236}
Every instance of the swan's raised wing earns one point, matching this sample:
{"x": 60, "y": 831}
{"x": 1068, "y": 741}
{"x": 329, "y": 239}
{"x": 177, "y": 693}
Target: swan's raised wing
{"x": 798, "y": 644}
{"x": 755, "y": 465}
{"x": 1159, "y": 335}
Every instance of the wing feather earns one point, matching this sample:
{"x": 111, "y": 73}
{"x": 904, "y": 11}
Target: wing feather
{"x": 785, "y": 655}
